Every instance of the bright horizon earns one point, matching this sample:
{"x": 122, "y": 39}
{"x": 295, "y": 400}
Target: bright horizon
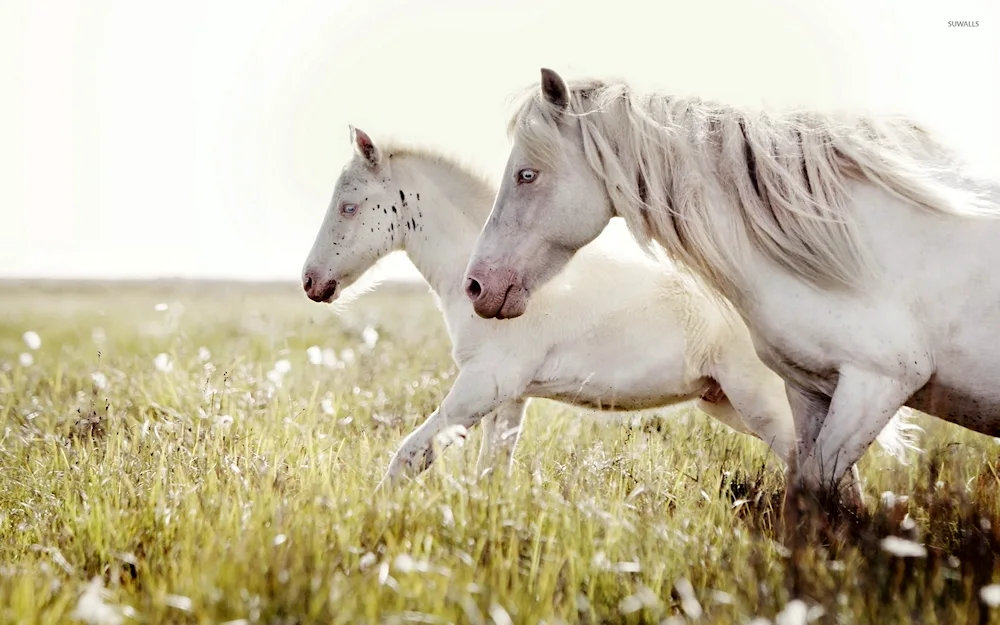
{"x": 203, "y": 140}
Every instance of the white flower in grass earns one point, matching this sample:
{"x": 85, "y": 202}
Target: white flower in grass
{"x": 163, "y": 363}
{"x": 204, "y": 354}
{"x": 347, "y": 355}
{"x": 160, "y": 307}
{"x": 327, "y": 406}
{"x": 92, "y": 609}
{"x": 330, "y": 359}
{"x": 689, "y": 602}
{"x": 184, "y": 604}
{"x": 32, "y": 340}
{"x": 990, "y": 595}
{"x": 370, "y": 336}
{"x": 315, "y": 355}
{"x": 902, "y": 548}
{"x": 643, "y": 598}
{"x": 795, "y": 612}
{"x": 100, "y": 380}
{"x": 277, "y": 375}
{"x": 26, "y": 359}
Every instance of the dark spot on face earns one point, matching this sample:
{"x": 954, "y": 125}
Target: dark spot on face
{"x": 418, "y": 196}
{"x": 414, "y": 221}
{"x": 402, "y": 198}
{"x": 394, "y": 209}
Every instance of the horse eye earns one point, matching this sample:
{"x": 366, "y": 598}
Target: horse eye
{"x": 349, "y": 209}
{"x": 527, "y": 176}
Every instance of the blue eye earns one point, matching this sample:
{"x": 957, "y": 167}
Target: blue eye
{"x": 349, "y": 209}
{"x": 527, "y": 176}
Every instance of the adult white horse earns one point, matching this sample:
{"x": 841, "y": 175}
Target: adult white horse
{"x": 614, "y": 331}
{"x": 862, "y": 255}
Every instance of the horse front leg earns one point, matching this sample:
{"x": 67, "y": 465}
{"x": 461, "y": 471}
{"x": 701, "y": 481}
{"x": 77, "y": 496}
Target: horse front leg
{"x": 809, "y": 411}
{"x": 476, "y": 392}
{"x": 501, "y": 431}
{"x": 863, "y": 403}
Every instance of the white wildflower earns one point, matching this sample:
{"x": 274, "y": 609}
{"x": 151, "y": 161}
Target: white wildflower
{"x": 160, "y": 307}
{"x": 347, "y": 355}
{"x": 315, "y": 355}
{"x": 722, "y": 598}
{"x": 163, "y": 363}
{"x": 280, "y": 539}
{"x": 499, "y": 615}
{"x": 283, "y": 366}
{"x": 689, "y": 603}
{"x": 330, "y": 358}
{"x": 327, "y": 406}
{"x": 179, "y": 602}
{"x": 990, "y": 595}
{"x": 795, "y": 612}
{"x": 92, "y": 609}
{"x": 370, "y": 336}
{"x": 32, "y": 340}
{"x": 903, "y": 548}
{"x": 100, "y": 380}
{"x": 26, "y": 359}
{"x": 275, "y": 377}
{"x": 366, "y": 561}
{"x": 204, "y": 354}
{"x": 643, "y": 598}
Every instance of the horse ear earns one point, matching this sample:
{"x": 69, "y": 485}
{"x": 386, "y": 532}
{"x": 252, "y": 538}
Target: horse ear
{"x": 364, "y": 146}
{"x": 554, "y": 89}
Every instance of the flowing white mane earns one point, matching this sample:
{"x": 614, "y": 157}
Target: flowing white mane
{"x": 691, "y": 174}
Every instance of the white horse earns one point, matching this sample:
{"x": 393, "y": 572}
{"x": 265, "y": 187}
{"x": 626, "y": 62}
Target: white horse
{"x": 864, "y": 258}
{"x": 614, "y": 331}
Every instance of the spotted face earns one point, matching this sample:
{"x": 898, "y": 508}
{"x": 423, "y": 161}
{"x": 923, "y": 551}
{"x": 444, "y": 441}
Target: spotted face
{"x": 364, "y": 222}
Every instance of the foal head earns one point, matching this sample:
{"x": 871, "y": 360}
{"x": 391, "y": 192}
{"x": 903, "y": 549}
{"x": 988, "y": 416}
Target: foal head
{"x": 362, "y": 223}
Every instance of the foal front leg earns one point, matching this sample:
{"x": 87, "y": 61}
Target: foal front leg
{"x": 476, "y": 393}
{"x": 501, "y": 431}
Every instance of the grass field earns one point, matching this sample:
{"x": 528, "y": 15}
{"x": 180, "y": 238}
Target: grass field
{"x": 179, "y": 445}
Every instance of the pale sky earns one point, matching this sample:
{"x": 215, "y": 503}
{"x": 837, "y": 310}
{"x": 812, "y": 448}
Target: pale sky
{"x": 202, "y": 139}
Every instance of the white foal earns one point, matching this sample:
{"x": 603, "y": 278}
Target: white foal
{"x": 614, "y": 331}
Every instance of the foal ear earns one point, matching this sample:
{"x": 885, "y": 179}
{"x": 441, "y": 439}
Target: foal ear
{"x": 364, "y": 146}
{"x": 554, "y": 89}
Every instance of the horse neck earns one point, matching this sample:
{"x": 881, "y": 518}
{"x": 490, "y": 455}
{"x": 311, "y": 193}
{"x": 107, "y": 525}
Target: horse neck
{"x": 444, "y": 213}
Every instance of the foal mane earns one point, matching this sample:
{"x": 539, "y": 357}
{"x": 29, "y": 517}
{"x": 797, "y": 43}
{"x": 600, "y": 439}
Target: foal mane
{"x": 400, "y": 150}
{"x": 712, "y": 183}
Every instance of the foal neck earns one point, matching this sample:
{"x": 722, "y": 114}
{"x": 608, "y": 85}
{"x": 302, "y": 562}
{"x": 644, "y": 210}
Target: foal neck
{"x": 444, "y": 209}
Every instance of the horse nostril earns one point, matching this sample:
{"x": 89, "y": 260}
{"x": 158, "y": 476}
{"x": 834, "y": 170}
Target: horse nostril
{"x": 308, "y": 283}
{"x": 473, "y": 289}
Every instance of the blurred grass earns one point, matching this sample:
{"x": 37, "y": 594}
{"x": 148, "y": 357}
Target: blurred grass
{"x": 228, "y": 486}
